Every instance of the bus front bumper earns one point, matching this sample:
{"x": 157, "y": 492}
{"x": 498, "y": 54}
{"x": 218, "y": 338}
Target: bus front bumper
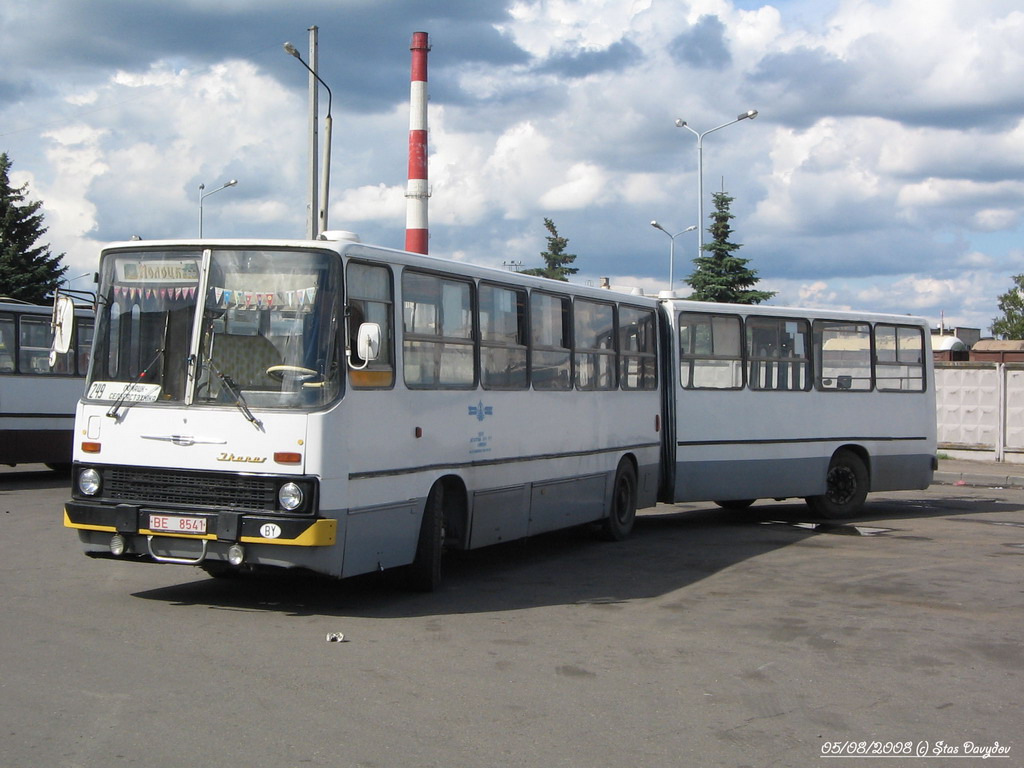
{"x": 134, "y": 530}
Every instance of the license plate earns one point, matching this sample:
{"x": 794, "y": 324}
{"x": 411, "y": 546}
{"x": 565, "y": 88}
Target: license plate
{"x": 176, "y": 524}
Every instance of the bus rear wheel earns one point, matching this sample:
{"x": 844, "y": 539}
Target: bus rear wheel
{"x": 619, "y": 523}
{"x": 424, "y": 573}
{"x": 846, "y": 487}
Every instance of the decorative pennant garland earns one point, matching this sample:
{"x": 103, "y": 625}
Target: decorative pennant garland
{"x": 299, "y": 298}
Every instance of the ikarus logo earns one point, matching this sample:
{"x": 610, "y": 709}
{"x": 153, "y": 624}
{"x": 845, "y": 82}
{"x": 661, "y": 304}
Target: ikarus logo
{"x": 234, "y": 458}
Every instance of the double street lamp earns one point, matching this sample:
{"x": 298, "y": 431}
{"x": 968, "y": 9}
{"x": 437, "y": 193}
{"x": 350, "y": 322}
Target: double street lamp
{"x": 672, "y": 250}
{"x": 680, "y": 123}
{"x": 203, "y": 195}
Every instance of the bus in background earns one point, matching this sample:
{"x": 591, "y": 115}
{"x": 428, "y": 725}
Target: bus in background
{"x": 37, "y": 398}
{"x": 347, "y": 408}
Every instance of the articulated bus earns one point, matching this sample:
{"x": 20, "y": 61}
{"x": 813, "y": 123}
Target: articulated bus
{"x": 346, "y": 408}
{"x": 38, "y": 395}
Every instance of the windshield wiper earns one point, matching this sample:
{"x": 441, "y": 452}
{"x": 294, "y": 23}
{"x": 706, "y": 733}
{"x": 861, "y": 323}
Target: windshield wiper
{"x": 112, "y": 412}
{"x": 235, "y": 392}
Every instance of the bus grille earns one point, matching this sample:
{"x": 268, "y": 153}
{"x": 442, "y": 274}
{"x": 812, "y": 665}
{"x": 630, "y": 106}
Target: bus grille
{"x": 168, "y": 487}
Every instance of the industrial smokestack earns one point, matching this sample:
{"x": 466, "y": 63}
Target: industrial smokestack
{"x": 417, "y": 192}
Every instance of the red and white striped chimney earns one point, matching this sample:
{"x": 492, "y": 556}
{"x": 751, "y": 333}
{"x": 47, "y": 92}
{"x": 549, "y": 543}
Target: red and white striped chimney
{"x": 416, "y": 193}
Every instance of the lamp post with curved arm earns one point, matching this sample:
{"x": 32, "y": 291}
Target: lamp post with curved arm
{"x": 325, "y": 171}
{"x": 750, "y": 114}
{"x": 672, "y": 251}
{"x": 203, "y": 195}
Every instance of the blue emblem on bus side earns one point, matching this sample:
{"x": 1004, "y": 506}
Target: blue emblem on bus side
{"x": 480, "y": 410}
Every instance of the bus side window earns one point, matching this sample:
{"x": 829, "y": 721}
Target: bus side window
{"x": 899, "y": 358}
{"x": 594, "y": 345}
{"x": 502, "y": 314}
{"x": 550, "y": 341}
{"x": 84, "y": 331}
{"x": 842, "y": 354}
{"x": 34, "y": 350}
{"x": 778, "y": 352}
{"x": 7, "y": 346}
{"x": 370, "y": 300}
{"x": 710, "y": 351}
{"x": 638, "y": 349}
{"x": 438, "y": 347}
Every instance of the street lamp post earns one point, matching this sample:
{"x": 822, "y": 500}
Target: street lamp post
{"x": 672, "y": 251}
{"x": 203, "y": 195}
{"x": 750, "y": 114}
{"x": 325, "y": 171}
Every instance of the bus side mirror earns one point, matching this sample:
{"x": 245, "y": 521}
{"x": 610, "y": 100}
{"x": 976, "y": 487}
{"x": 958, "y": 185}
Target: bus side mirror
{"x": 368, "y": 341}
{"x": 63, "y": 323}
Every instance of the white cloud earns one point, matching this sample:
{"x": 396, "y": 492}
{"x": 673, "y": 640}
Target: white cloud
{"x": 547, "y": 27}
{"x": 824, "y": 173}
{"x": 584, "y": 185}
{"x": 641, "y": 188}
{"x": 369, "y": 202}
{"x": 996, "y": 219}
{"x": 817, "y": 294}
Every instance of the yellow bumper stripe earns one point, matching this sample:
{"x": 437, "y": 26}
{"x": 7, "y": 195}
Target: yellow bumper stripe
{"x": 323, "y": 533}
{"x": 84, "y": 527}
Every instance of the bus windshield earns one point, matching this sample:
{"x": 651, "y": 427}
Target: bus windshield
{"x": 266, "y": 338}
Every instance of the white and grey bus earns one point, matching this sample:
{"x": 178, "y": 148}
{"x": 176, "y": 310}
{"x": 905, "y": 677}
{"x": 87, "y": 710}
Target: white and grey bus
{"x": 347, "y": 408}
{"x": 38, "y": 395}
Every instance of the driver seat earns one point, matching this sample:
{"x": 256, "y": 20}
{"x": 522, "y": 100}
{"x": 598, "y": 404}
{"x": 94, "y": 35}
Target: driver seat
{"x": 246, "y": 359}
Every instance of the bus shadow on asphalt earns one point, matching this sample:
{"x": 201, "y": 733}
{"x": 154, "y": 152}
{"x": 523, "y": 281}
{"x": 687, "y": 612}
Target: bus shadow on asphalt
{"x": 34, "y": 479}
{"x": 671, "y": 548}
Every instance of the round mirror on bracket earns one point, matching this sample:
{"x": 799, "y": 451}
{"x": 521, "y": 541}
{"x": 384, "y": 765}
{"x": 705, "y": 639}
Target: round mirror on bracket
{"x": 63, "y": 323}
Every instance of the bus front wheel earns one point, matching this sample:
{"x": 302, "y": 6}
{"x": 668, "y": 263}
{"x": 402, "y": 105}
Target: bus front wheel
{"x": 424, "y": 573}
{"x": 846, "y": 487}
{"x": 619, "y": 523}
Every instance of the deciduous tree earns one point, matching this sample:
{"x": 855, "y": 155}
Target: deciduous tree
{"x": 1010, "y": 325}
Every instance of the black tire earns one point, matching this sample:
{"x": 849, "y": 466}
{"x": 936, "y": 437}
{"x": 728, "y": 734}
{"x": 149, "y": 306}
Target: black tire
{"x": 424, "y": 573}
{"x": 846, "y": 487}
{"x": 735, "y": 504}
{"x": 619, "y": 523}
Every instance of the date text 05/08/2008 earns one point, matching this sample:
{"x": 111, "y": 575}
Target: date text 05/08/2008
{"x": 915, "y": 749}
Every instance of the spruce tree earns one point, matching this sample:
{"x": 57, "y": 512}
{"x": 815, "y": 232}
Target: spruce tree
{"x": 555, "y": 257}
{"x": 27, "y": 271}
{"x": 720, "y": 276}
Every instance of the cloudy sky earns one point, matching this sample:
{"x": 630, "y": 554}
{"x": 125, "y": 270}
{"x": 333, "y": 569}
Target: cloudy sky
{"x": 885, "y": 170}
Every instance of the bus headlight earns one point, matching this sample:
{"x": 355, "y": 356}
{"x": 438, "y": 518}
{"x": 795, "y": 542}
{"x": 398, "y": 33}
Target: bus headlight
{"x": 89, "y": 482}
{"x": 290, "y": 497}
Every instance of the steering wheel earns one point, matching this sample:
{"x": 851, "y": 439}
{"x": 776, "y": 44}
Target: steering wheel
{"x": 292, "y": 373}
